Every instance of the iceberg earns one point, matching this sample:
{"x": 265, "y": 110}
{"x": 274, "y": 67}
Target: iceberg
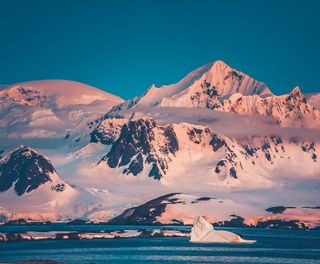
{"x": 203, "y": 232}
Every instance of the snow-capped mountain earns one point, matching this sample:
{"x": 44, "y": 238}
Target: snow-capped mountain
{"x": 30, "y": 186}
{"x": 201, "y": 87}
{"x": 291, "y": 110}
{"x": 217, "y": 143}
{"x": 217, "y": 86}
{"x": 181, "y": 208}
{"x": 161, "y": 151}
{"x": 50, "y": 109}
{"x": 25, "y": 170}
{"x": 142, "y": 142}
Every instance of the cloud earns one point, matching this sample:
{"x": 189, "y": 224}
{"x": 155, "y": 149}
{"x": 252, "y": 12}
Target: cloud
{"x": 227, "y": 124}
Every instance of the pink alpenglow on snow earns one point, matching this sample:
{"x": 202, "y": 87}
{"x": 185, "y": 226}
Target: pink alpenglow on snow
{"x": 203, "y": 232}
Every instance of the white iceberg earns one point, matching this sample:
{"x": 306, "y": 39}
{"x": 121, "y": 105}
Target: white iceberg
{"x": 203, "y": 232}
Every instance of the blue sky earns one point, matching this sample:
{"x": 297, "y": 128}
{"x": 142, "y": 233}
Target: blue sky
{"x": 125, "y": 46}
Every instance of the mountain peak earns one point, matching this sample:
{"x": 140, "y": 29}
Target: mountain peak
{"x": 220, "y": 65}
{"x": 21, "y": 150}
{"x": 26, "y": 170}
{"x": 24, "y": 148}
{"x": 296, "y": 96}
{"x": 296, "y": 91}
{"x": 60, "y": 93}
{"x": 26, "y": 151}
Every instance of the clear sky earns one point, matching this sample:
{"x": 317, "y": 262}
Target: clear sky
{"x": 125, "y": 46}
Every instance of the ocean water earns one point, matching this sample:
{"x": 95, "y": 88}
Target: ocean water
{"x": 272, "y": 246}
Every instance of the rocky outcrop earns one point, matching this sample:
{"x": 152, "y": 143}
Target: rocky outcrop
{"x": 26, "y": 170}
{"x": 143, "y": 142}
{"x": 146, "y": 213}
{"x": 108, "y": 131}
{"x": 289, "y": 110}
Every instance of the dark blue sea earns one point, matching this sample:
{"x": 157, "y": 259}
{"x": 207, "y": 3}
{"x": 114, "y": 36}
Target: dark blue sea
{"x": 272, "y": 246}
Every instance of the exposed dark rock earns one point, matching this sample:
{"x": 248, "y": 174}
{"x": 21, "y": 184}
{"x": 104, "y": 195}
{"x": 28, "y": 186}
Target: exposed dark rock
{"x": 249, "y": 150}
{"x": 17, "y": 222}
{"x": 286, "y": 224}
{"x": 265, "y": 146}
{"x": 233, "y": 173}
{"x": 136, "y": 166}
{"x": 206, "y": 97}
{"x": 234, "y": 75}
{"x": 203, "y": 199}
{"x": 197, "y": 134}
{"x": 268, "y": 156}
{"x": 221, "y": 163}
{"x": 145, "y": 213}
{"x": 22, "y": 221}
{"x": 136, "y": 145}
{"x": 98, "y": 136}
{"x": 278, "y": 209}
{"x": 314, "y": 157}
{"x": 217, "y": 143}
{"x": 59, "y": 187}
{"x": 108, "y": 131}
{"x": 235, "y": 221}
{"x": 176, "y": 222}
{"x": 1, "y": 152}
{"x": 155, "y": 172}
{"x": 276, "y": 140}
{"x": 25, "y": 169}
{"x": 79, "y": 222}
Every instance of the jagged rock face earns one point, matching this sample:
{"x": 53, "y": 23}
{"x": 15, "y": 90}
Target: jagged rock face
{"x": 26, "y": 170}
{"x": 142, "y": 146}
{"x": 219, "y": 87}
{"x": 289, "y": 110}
{"x": 108, "y": 131}
{"x": 205, "y": 87}
{"x": 142, "y": 142}
{"x": 146, "y": 213}
{"x": 241, "y": 156}
{"x": 310, "y": 148}
{"x": 206, "y": 96}
{"x": 272, "y": 150}
{"x": 218, "y": 82}
{"x": 197, "y": 135}
{"x": 227, "y": 165}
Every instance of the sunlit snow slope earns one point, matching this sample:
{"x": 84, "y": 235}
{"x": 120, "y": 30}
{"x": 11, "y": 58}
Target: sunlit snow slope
{"x": 50, "y": 109}
{"x": 217, "y": 143}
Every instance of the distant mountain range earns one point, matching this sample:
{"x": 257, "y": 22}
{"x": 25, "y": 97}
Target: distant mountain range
{"x": 217, "y": 143}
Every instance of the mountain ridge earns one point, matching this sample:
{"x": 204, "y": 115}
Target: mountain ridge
{"x": 215, "y": 85}
{"x": 217, "y": 133}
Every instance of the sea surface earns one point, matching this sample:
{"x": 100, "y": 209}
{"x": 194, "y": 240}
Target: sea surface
{"x": 272, "y": 246}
